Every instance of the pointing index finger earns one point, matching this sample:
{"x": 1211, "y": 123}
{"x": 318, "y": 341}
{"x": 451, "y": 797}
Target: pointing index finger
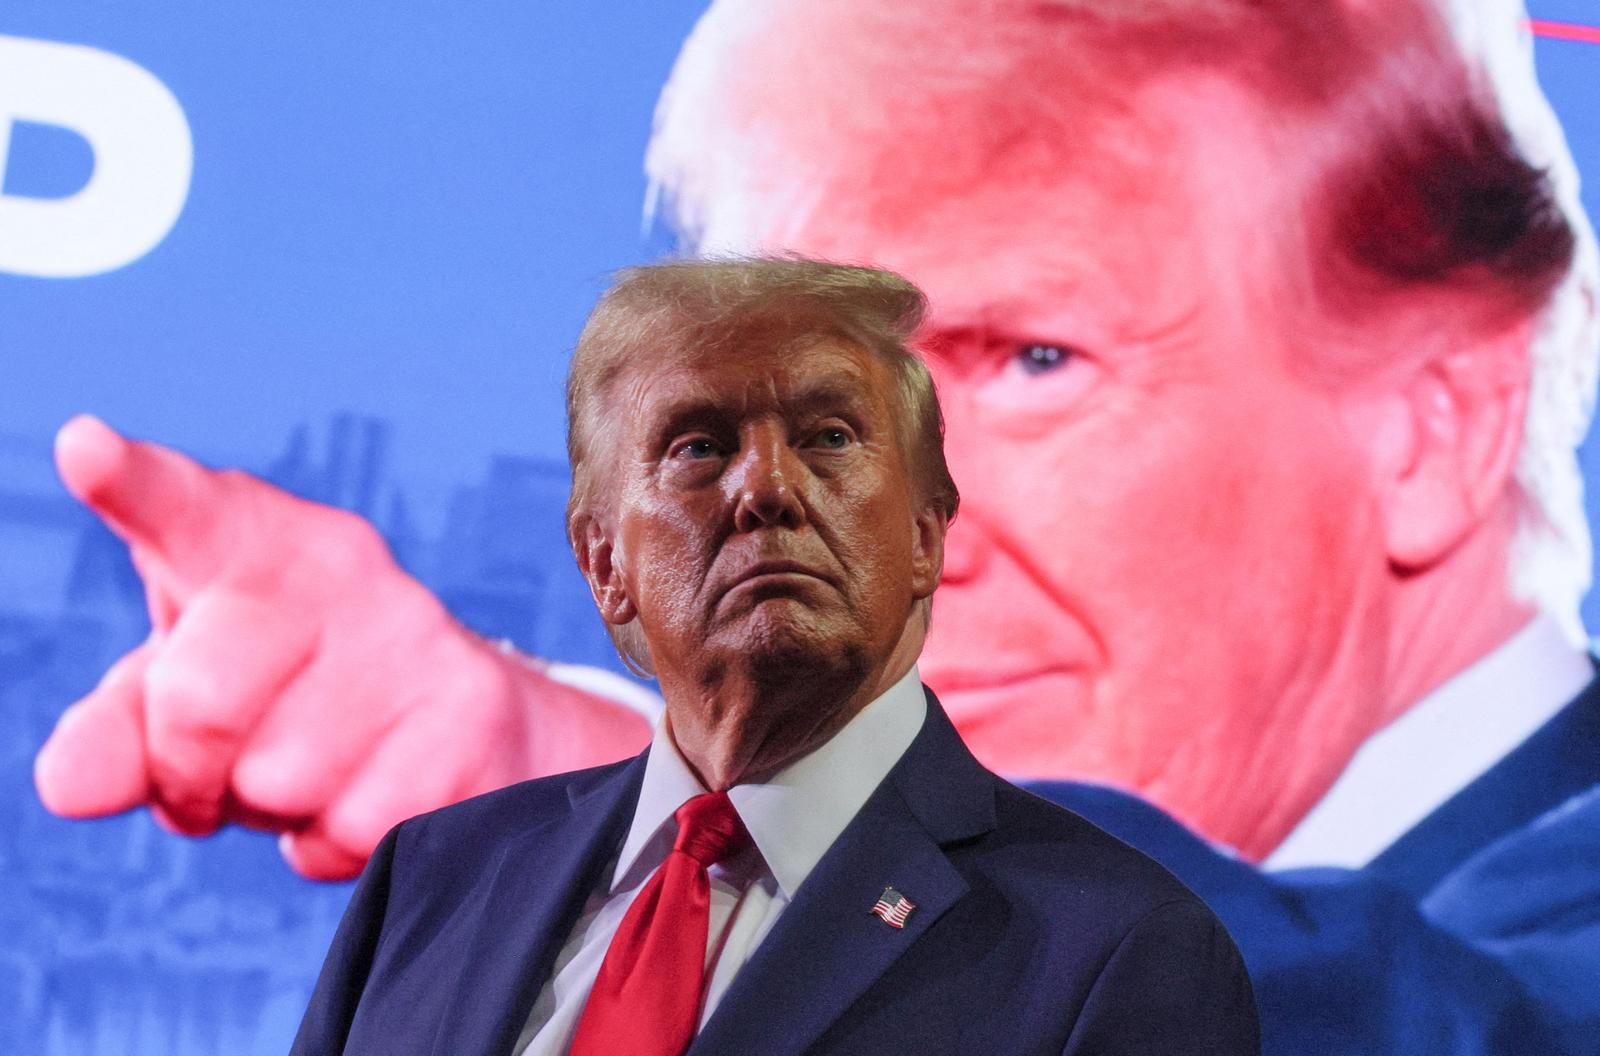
{"x": 162, "y": 503}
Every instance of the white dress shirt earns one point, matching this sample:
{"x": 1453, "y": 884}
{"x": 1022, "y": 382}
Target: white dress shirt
{"x": 1440, "y": 746}
{"x": 793, "y": 817}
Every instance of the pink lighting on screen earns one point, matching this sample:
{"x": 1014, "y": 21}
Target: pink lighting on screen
{"x": 1565, "y": 31}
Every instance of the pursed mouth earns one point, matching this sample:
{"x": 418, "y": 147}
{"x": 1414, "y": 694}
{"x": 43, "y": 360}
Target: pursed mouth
{"x": 777, "y": 570}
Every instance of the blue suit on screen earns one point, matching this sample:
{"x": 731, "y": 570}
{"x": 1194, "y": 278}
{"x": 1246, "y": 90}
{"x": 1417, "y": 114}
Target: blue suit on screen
{"x": 1477, "y": 932}
{"x": 1034, "y": 932}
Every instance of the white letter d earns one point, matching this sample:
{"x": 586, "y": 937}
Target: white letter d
{"x": 143, "y": 158}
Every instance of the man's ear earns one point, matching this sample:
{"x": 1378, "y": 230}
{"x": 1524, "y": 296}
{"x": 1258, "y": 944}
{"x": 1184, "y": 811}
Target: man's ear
{"x": 927, "y": 550}
{"x": 1449, "y": 441}
{"x": 597, "y": 560}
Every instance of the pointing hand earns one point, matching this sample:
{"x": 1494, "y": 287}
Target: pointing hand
{"x": 296, "y": 679}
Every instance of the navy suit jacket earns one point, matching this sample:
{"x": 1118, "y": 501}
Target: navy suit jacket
{"x": 1475, "y": 933}
{"x": 1034, "y": 931}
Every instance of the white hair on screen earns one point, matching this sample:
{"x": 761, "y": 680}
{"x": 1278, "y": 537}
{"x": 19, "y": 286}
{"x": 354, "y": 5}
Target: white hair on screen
{"x": 748, "y": 130}
{"x": 1552, "y": 555}
{"x": 733, "y": 187}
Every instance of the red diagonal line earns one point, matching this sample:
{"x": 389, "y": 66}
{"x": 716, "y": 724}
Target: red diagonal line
{"x": 1566, "y": 31}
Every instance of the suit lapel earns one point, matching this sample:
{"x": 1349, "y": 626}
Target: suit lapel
{"x": 828, "y": 947}
{"x": 1560, "y": 760}
{"x": 536, "y": 889}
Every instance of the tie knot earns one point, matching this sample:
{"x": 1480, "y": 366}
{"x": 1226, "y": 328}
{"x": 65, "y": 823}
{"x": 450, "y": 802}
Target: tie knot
{"x": 709, "y": 829}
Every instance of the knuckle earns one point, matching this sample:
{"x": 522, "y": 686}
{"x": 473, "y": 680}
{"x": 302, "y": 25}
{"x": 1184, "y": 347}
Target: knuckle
{"x": 235, "y": 480}
{"x": 128, "y": 668}
{"x": 187, "y": 784}
{"x": 190, "y": 703}
{"x": 356, "y": 826}
{"x": 345, "y": 542}
{"x": 177, "y": 687}
{"x": 285, "y": 784}
{"x": 309, "y": 549}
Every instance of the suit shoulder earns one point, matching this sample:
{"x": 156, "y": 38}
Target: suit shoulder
{"x": 483, "y": 821}
{"x": 1534, "y": 875}
{"x": 1063, "y": 855}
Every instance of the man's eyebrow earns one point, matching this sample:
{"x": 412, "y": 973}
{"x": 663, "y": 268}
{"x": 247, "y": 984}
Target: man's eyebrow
{"x": 1053, "y": 282}
{"x": 847, "y": 394}
{"x": 689, "y": 412}
{"x": 844, "y": 394}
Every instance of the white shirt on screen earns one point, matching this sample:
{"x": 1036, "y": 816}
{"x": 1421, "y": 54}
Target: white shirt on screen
{"x": 793, "y": 817}
{"x": 1440, "y": 746}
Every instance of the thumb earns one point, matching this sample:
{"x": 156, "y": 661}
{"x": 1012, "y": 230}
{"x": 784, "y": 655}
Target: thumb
{"x": 94, "y": 762}
{"x": 162, "y": 503}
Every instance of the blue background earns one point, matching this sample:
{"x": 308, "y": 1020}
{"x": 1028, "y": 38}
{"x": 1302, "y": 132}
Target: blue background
{"x": 397, "y": 223}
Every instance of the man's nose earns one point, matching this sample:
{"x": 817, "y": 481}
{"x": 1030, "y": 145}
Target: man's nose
{"x": 766, "y": 486}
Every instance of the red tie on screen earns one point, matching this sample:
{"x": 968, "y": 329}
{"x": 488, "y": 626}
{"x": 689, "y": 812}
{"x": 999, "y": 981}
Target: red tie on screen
{"x": 646, "y": 999}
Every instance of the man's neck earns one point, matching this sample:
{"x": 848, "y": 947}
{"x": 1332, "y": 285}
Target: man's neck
{"x": 1431, "y": 625}
{"x": 1461, "y": 729}
{"x": 740, "y": 724}
{"x": 1448, "y": 618}
{"x": 1442, "y": 621}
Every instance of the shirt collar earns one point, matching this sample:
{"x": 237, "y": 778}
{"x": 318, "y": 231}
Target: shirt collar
{"x": 795, "y": 814}
{"x": 1461, "y": 729}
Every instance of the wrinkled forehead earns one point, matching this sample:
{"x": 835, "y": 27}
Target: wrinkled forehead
{"x": 872, "y": 126}
{"x": 961, "y": 152}
{"x": 1120, "y": 229}
{"x": 755, "y": 373}
{"x": 778, "y": 111}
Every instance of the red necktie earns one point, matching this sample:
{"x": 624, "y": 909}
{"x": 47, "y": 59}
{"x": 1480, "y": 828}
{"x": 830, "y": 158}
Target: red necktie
{"x": 646, "y": 999}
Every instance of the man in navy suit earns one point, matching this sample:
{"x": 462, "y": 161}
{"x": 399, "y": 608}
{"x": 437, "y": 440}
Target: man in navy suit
{"x": 760, "y": 502}
{"x": 1267, "y": 332}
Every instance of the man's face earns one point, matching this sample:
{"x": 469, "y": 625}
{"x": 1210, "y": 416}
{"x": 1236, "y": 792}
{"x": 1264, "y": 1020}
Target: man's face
{"x": 765, "y": 520}
{"x": 1167, "y": 572}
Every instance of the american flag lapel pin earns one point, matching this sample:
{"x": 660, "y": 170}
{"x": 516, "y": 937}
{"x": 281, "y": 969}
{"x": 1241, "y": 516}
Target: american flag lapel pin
{"x": 893, "y": 908}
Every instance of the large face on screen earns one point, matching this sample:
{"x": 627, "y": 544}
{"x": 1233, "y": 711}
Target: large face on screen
{"x": 1165, "y": 569}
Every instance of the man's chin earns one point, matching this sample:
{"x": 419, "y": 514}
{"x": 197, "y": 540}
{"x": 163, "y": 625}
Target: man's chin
{"x": 785, "y": 638}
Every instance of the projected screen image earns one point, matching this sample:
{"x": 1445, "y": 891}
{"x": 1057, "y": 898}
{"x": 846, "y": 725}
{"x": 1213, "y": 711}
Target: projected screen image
{"x": 1266, "y": 340}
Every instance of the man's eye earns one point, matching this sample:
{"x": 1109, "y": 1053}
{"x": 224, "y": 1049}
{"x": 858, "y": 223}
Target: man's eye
{"x": 833, "y": 438}
{"x": 1036, "y": 381}
{"x": 1041, "y": 359}
{"x": 699, "y": 448}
